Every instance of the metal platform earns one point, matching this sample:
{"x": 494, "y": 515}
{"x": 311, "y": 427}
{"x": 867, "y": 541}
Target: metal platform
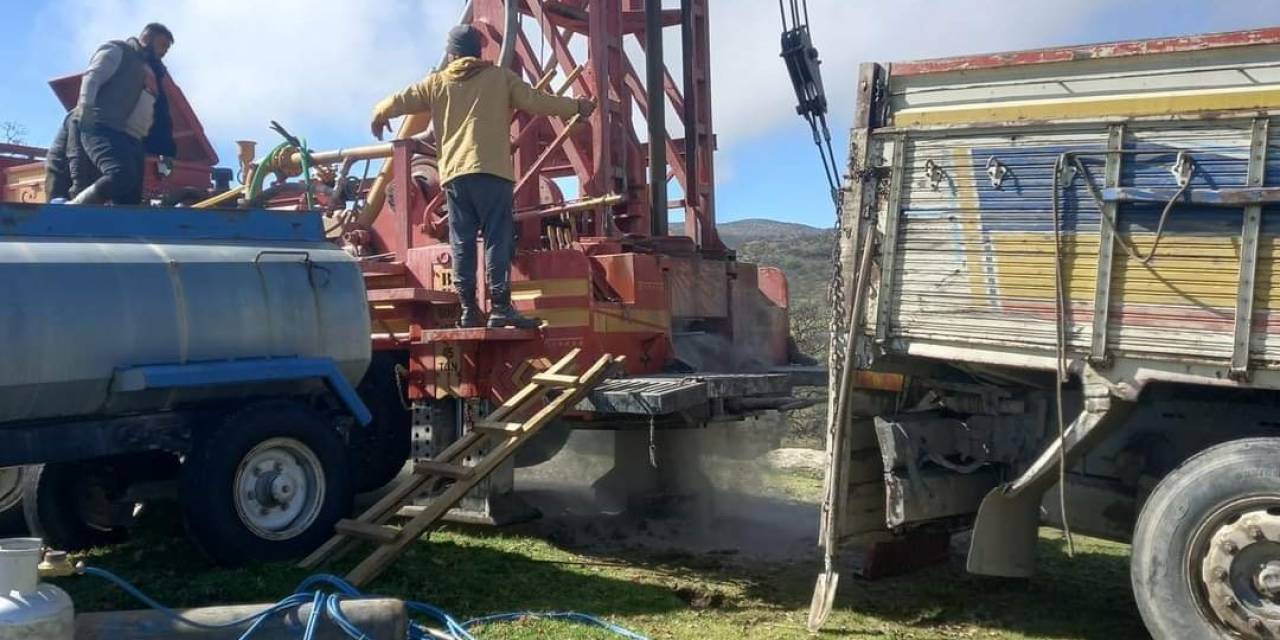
{"x": 667, "y": 394}
{"x": 478, "y": 334}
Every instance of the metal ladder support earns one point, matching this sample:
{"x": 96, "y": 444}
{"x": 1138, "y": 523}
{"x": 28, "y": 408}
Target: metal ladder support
{"x": 446, "y": 468}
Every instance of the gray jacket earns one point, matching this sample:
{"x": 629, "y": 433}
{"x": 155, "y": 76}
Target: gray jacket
{"x": 119, "y": 89}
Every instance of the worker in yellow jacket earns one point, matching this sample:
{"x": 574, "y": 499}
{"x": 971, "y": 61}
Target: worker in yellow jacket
{"x": 471, "y": 102}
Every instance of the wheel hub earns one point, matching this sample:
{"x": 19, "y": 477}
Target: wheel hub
{"x": 279, "y": 489}
{"x": 1240, "y": 573}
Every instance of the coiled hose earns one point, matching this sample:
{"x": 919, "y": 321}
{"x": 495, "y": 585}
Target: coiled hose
{"x": 325, "y": 593}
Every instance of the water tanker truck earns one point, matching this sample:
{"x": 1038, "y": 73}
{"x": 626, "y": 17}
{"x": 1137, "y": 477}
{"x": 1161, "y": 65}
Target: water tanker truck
{"x": 153, "y": 352}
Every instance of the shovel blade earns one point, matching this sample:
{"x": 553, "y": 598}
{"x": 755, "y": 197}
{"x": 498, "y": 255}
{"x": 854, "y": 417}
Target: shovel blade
{"x": 824, "y": 598}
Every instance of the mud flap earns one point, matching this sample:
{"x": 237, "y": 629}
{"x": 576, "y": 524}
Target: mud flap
{"x": 1005, "y": 532}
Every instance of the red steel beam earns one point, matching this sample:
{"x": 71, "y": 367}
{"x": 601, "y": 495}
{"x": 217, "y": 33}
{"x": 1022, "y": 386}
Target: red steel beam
{"x": 1123, "y": 49}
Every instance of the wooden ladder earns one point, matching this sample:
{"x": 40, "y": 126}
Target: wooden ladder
{"x": 502, "y": 432}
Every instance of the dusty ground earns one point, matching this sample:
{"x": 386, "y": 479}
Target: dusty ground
{"x": 739, "y": 568}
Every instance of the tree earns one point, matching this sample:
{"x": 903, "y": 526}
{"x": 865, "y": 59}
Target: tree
{"x": 13, "y": 132}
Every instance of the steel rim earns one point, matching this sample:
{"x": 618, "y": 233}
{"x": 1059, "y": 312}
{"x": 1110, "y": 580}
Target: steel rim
{"x": 1234, "y": 567}
{"x": 279, "y": 489}
{"x": 10, "y": 487}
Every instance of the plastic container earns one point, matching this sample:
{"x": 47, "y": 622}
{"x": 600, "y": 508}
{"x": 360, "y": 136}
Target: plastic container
{"x": 30, "y": 610}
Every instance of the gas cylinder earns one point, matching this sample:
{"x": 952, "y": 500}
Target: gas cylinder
{"x": 30, "y": 610}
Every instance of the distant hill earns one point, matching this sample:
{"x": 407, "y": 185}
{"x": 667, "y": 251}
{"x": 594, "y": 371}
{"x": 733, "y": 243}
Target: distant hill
{"x": 804, "y": 255}
{"x": 735, "y": 233}
{"x": 801, "y": 251}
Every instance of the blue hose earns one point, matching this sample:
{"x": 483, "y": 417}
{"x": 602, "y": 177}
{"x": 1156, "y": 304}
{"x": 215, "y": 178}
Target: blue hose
{"x": 328, "y": 606}
{"x": 563, "y": 616}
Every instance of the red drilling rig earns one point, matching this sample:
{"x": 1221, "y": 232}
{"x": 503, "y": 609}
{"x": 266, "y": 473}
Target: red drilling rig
{"x": 618, "y": 250}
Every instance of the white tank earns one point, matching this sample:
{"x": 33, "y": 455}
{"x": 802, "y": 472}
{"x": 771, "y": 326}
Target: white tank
{"x": 30, "y": 610}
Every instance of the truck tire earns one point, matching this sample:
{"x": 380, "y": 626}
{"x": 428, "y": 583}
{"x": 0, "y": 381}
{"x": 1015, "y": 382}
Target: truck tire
{"x": 1206, "y": 550}
{"x": 62, "y": 502}
{"x": 379, "y": 450}
{"x": 267, "y": 484}
{"x": 12, "y": 520}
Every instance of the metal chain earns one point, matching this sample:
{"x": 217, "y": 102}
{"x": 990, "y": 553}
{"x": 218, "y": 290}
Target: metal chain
{"x": 653, "y": 447}
{"x": 402, "y": 393}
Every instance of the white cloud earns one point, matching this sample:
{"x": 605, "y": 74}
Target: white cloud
{"x": 311, "y": 64}
{"x": 320, "y": 65}
{"x": 752, "y": 91}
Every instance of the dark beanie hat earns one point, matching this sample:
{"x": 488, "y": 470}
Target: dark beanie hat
{"x": 464, "y": 41}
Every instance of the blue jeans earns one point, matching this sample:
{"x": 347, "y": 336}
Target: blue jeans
{"x": 482, "y": 203}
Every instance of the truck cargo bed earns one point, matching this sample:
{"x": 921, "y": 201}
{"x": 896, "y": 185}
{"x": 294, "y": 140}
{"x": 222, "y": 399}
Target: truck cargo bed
{"x": 964, "y": 153}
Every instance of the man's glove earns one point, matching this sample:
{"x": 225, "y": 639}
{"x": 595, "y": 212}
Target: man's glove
{"x": 380, "y": 123}
{"x": 586, "y": 107}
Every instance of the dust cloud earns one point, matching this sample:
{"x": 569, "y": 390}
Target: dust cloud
{"x": 711, "y": 493}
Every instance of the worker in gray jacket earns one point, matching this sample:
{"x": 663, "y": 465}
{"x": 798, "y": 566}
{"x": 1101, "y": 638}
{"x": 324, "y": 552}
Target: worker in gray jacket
{"x": 119, "y": 94}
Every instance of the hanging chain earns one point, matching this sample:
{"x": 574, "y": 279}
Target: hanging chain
{"x": 653, "y": 446}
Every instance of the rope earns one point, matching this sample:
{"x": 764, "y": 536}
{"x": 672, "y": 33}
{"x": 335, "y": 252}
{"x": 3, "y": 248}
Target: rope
{"x": 1061, "y": 357}
{"x": 1111, "y": 222}
{"x": 327, "y": 606}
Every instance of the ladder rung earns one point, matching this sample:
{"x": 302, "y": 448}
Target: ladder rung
{"x": 499, "y": 428}
{"x": 367, "y": 531}
{"x": 442, "y": 469}
{"x": 558, "y": 380}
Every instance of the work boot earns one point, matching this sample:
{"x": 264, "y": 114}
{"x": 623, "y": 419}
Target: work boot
{"x": 88, "y": 196}
{"x": 503, "y": 315}
{"x": 471, "y": 317}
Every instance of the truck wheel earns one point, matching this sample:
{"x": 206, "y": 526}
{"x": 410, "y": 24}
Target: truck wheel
{"x": 12, "y": 522}
{"x": 69, "y": 505}
{"x": 1206, "y": 551}
{"x": 268, "y": 484}
{"x": 379, "y": 450}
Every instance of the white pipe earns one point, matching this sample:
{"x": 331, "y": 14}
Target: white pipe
{"x": 508, "y": 51}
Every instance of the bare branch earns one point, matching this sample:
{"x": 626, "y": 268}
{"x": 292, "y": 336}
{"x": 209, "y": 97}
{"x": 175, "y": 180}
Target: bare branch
{"x": 13, "y": 132}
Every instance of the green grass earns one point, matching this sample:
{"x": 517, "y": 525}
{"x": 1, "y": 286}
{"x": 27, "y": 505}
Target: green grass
{"x": 664, "y": 593}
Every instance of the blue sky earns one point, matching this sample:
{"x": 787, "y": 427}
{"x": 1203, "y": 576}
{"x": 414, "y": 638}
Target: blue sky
{"x": 319, "y": 65}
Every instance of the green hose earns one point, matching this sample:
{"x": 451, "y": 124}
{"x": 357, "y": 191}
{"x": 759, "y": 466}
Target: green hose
{"x": 260, "y": 176}
{"x": 255, "y": 187}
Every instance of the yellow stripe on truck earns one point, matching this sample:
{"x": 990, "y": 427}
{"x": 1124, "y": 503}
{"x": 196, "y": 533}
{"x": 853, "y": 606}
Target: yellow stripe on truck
{"x": 1129, "y": 105}
{"x": 526, "y": 290}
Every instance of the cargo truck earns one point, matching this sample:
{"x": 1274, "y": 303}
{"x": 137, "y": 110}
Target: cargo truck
{"x": 1068, "y": 258}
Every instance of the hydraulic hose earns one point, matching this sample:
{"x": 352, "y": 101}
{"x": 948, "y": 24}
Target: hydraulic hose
{"x": 328, "y": 606}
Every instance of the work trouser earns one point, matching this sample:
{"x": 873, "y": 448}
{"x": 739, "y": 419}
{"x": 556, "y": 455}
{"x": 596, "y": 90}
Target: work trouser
{"x": 67, "y": 169}
{"x": 119, "y": 158}
{"x": 480, "y": 202}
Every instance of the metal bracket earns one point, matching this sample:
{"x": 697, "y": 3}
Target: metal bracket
{"x": 1183, "y": 168}
{"x": 934, "y": 173}
{"x": 1098, "y": 355}
{"x": 1066, "y": 175}
{"x": 1249, "y": 234}
{"x": 996, "y": 171}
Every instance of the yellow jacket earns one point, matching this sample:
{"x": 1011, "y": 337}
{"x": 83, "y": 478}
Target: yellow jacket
{"x": 471, "y": 102}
